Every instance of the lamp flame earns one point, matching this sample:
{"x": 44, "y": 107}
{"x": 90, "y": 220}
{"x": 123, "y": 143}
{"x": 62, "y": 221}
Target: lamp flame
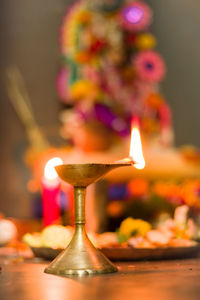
{"x": 136, "y": 153}
{"x": 49, "y": 171}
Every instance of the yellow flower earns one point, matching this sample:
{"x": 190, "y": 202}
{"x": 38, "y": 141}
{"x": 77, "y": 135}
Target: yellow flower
{"x": 132, "y": 226}
{"x": 145, "y": 41}
{"x": 82, "y": 89}
{"x": 83, "y": 17}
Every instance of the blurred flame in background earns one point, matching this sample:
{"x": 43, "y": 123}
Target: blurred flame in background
{"x": 49, "y": 170}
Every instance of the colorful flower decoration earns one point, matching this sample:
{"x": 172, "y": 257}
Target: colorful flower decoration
{"x": 149, "y": 66}
{"x": 99, "y": 40}
{"x": 135, "y": 16}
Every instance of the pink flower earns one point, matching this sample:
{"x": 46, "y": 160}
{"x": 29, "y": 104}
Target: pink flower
{"x": 62, "y": 84}
{"x": 149, "y": 66}
{"x": 135, "y": 15}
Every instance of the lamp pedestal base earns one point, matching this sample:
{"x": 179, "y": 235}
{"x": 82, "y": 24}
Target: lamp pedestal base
{"x": 80, "y": 258}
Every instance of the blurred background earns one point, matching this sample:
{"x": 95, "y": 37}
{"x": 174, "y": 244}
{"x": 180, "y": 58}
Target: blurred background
{"x": 29, "y": 41}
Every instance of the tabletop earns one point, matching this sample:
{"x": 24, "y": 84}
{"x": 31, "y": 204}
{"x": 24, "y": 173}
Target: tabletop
{"x": 172, "y": 279}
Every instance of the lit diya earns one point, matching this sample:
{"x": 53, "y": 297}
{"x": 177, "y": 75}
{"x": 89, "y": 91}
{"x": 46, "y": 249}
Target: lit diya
{"x": 81, "y": 258}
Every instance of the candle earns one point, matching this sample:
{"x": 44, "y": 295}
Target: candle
{"x": 51, "y": 192}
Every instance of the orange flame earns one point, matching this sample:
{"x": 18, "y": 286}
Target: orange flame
{"x": 136, "y": 153}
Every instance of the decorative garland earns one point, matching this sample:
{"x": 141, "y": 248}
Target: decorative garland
{"x": 111, "y": 69}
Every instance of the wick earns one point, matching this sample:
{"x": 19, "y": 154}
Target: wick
{"x": 127, "y": 160}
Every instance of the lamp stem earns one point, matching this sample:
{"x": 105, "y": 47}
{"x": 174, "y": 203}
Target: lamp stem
{"x": 79, "y": 196}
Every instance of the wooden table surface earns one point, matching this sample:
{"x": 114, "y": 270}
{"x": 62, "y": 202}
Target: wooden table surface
{"x": 158, "y": 280}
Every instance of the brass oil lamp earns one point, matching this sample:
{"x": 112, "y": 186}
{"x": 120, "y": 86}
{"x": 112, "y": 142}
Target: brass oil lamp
{"x": 81, "y": 258}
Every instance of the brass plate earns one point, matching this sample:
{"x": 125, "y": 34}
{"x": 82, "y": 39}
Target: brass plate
{"x": 45, "y": 253}
{"x": 129, "y": 253}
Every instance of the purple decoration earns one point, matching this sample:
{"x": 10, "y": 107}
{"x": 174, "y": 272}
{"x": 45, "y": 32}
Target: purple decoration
{"x": 106, "y": 116}
{"x": 136, "y": 15}
{"x": 133, "y": 14}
